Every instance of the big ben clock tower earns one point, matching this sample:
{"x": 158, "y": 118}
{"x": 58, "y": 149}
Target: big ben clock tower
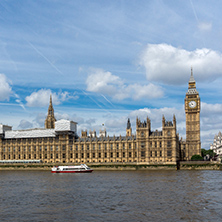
{"x": 192, "y": 110}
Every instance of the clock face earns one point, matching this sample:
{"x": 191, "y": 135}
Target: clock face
{"x": 192, "y": 104}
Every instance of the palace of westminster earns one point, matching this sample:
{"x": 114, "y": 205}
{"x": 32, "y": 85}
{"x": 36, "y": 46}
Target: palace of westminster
{"x": 58, "y": 142}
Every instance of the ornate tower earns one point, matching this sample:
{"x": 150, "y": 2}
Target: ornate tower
{"x": 50, "y": 119}
{"x": 192, "y": 110}
{"x": 128, "y": 128}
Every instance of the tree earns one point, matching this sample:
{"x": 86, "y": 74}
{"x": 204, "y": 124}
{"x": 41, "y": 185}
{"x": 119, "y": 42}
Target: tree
{"x": 205, "y": 152}
{"x": 196, "y": 157}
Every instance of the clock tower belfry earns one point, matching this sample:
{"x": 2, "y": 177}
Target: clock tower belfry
{"x": 192, "y": 110}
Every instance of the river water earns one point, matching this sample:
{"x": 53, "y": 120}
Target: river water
{"x": 111, "y": 196}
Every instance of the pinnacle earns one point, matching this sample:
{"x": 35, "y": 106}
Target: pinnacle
{"x": 191, "y": 76}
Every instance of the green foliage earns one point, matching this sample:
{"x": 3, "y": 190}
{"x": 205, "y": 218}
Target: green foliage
{"x": 196, "y": 157}
{"x": 205, "y": 152}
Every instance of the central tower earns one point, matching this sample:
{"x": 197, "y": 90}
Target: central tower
{"x": 192, "y": 110}
{"x": 50, "y": 119}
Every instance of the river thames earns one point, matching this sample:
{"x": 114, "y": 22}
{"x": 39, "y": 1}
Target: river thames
{"x": 111, "y": 196}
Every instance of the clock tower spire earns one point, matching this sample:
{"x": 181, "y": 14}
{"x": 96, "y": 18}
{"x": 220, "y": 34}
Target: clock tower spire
{"x": 192, "y": 110}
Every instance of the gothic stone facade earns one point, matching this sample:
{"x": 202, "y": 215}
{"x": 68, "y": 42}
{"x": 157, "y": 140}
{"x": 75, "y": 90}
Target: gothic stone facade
{"x": 58, "y": 142}
{"x": 64, "y": 146}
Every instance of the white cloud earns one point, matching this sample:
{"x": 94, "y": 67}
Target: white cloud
{"x": 145, "y": 91}
{"x": 40, "y": 119}
{"x": 106, "y": 83}
{"x": 91, "y": 121}
{"x": 212, "y": 109}
{"x": 25, "y": 124}
{"x": 205, "y": 26}
{"x": 169, "y": 65}
{"x": 211, "y": 119}
{"x": 103, "y": 82}
{"x": 116, "y": 124}
{"x": 41, "y": 98}
{"x": 155, "y": 116}
{"x": 76, "y": 118}
{"x": 5, "y": 88}
{"x": 59, "y": 116}
{"x": 18, "y": 100}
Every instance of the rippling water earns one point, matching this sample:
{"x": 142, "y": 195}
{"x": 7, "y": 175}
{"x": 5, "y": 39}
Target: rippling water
{"x": 111, "y": 196}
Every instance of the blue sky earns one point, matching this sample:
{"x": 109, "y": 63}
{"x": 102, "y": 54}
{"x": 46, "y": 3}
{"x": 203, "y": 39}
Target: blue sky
{"x": 105, "y": 61}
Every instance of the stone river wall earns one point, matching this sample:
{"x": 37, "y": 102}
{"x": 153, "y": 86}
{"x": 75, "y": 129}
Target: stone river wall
{"x": 183, "y": 165}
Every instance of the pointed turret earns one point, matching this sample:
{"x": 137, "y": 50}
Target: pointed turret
{"x": 128, "y": 124}
{"x": 50, "y": 119}
{"x": 50, "y": 109}
{"x": 128, "y": 128}
{"x": 163, "y": 121}
{"x": 174, "y": 120}
{"x": 191, "y": 76}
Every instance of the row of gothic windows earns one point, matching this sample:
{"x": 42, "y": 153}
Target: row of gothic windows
{"x": 46, "y": 148}
{"x": 63, "y": 147}
{"x": 152, "y": 154}
{"x": 20, "y": 156}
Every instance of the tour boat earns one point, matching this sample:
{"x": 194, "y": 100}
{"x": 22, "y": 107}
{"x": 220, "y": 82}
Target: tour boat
{"x": 83, "y": 168}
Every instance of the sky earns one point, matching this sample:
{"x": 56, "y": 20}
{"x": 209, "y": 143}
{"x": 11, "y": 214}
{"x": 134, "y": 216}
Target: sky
{"x": 106, "y": 61}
